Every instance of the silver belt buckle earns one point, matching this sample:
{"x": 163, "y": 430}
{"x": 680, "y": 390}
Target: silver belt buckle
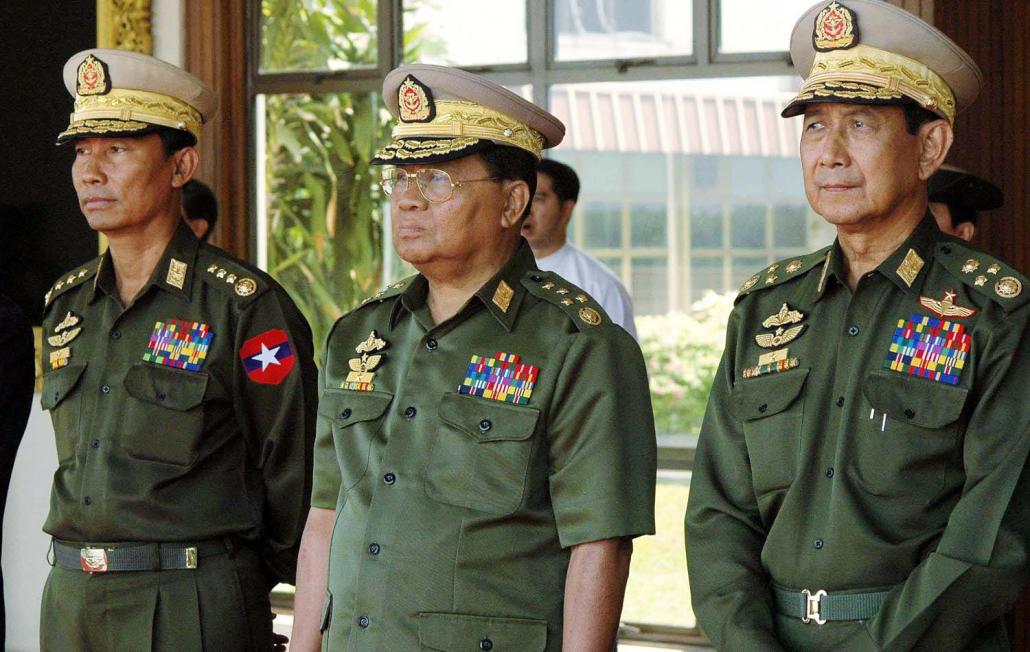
{"x": 812, "y": 606}
{"x": 93, "y": 560}
{"x": 191, "y": 557}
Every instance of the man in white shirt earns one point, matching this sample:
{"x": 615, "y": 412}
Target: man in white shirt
{"x": 557, "y": 189}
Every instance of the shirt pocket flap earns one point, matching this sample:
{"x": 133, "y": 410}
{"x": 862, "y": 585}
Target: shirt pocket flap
{"x": 346, "y": 406}
{"x": 767, "y": 395}
{"x": 59, "y": 383}
{"x": 921, "y": 402}
{"x": 166, "y": 386}
{"x": 441, "y": 631}
{"x": 487, "y": 419}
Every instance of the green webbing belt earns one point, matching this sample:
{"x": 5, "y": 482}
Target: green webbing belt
{"x": 832, "y": 606}
{"x": 137, "y": 556}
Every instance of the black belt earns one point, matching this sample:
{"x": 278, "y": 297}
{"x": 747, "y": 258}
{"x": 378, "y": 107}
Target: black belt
{"x": 137, "y": 556}
{"x": 821, "y": 606}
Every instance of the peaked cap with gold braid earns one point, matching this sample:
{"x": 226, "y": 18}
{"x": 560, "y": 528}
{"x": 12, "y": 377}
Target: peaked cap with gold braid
{"x": 871, "y": 52}
{"x": 120, "y": 93}
{"x": 445, "y": 113}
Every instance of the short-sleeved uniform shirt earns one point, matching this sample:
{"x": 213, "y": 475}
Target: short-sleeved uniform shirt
{"x": 867, "y": 440}
{"x": 481, "y": 450}
{"x": 188, "y": 414}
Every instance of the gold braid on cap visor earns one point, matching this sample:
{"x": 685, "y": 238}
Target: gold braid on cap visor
{"x": 867, "y": 73}
{"x": 132, "y": 106}
{"x": 455, "y": 119}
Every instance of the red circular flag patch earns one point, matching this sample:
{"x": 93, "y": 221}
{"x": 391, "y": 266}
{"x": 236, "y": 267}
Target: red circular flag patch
{"x": 268, "y": 357}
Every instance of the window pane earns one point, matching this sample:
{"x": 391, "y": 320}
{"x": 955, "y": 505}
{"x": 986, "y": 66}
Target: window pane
{"x": 658, "y": 592}
{"x": 318, "y": 34}
{"x": 322, "y": 205}
{"x": 617, "y": 29}
{"x": 650, "y": 286}
{"x": 706, "y": 276}
{"x": 747, "y": 226}
{"x": 602, "y": 225}
{"x": 744, "y": 267}
{"x": 647, "y": 225}
{"x": 463, "y": 33}
{"x": 706, "y": 226}
{"x": 758, "y": 25}
{"x": 789, "y": 226}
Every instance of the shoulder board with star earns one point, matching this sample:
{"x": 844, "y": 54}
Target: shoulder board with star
{"x": 985, "y": 274}
{"x": 230, "y": 276}
{"x": 72, "y": 279}
{"x": 782, "y": 271}
{"x": 580, "y": 307}
{"x": 385, "y": 293}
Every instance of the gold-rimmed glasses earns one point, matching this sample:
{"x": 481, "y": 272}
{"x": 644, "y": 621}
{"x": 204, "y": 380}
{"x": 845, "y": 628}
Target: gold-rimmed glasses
{"x": 435, "y": 185}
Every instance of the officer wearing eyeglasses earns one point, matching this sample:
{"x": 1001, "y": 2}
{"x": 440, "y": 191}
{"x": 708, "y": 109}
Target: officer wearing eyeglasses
{"x": 485, "y": 448}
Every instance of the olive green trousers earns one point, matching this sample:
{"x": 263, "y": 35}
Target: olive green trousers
{"x": 221, "y": 605}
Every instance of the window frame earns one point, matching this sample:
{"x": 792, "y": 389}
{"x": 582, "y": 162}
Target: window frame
{"x": 540, "y": 72}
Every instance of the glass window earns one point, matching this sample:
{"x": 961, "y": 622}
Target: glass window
{"x": 318, "y": 35}
{"x": 462, "y": 33}
{"x": 322, "y": 227}
{"x": 789, "y": 226}
{"x": 616, "y": 29}
{"x": 602, "y": 225}
{"x": 649, "y": 283}
{"x": 705, "y": 276}
{"x": 747, "y": 226}
{"x": 706, "y": 226}
{"x": 744, "y": 267}
{"x": 758, "y": 25}
{"x": 647, "y": 225}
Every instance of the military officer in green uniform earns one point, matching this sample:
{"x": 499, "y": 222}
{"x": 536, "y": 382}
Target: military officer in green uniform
{"x": 859, "y": 479}
{"x": 182, "y": 390}
{"x": 485, "y": 444}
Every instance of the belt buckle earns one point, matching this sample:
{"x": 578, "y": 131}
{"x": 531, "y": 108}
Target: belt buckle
{"x": 191, "y": 557}
{"x": 812, "y": 606}
{"x": 93, "y": 560}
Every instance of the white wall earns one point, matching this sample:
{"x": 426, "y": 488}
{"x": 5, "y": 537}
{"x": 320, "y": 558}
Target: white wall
{"x": 28, "y": 501}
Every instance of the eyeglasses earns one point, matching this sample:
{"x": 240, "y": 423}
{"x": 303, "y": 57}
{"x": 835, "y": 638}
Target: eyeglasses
{"x": 435, "y": 185}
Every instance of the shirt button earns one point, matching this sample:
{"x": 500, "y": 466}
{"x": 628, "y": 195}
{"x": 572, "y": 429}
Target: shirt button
{"x": 373, "y": 549}
{"x": 946, "y": 249}
{"x": 410, "y": 412}
{"x": 840, "y": 401}
{"x": 95, "y": 443}
{"x": 116, "y": 335}
{"x": 536, "y": 279}
{"x": 818, "y": 544}
{"x": 431, "y": 344}
{"x": 763, "y": 407}
{"x": 485, "y": 425}
{"x": 909, "y": 413}
{"x": 829, "y": 472}
{"x": 88, "y": 500}
{"x": 486, "y": 644}
{"x": 853, "y": 330}
{"x": 160, "y": 396}
{"x": 389, "y": 478}
{"x": 106, "y": 389}
{"x": 363, "y": 622}
{"x": 345, "y": 414}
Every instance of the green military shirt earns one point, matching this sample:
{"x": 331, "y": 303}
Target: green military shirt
{"x": 455, "y": 510}
{"x": 867, "y": 440}
{"x": 186, "y": 415}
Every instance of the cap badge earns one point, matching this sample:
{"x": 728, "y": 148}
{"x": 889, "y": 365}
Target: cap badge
{"x": 415, "y": 101}
{"x": 836, "y": 28}
{"x": 92, "y": 77}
